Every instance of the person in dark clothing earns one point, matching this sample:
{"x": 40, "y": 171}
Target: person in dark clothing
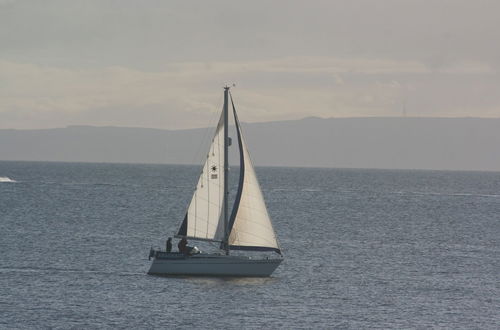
{"x": 183, "y": 245}
{"x": 169, "y": 244}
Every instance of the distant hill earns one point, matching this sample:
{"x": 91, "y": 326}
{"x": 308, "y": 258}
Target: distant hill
{"x": 396, "y": 143}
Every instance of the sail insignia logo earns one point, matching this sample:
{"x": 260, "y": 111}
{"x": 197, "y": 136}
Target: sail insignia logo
{"x": 214, "y": 174}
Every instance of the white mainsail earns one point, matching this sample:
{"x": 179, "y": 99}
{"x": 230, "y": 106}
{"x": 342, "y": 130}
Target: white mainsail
{"x": 250, "y": 224}
{"x": 204, "y": 212}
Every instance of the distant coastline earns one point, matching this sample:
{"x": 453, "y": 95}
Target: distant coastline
{"x": 469, "y": 144}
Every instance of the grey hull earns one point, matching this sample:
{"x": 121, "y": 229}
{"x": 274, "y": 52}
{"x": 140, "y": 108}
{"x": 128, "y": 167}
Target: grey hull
{"x": 212, "y": 265}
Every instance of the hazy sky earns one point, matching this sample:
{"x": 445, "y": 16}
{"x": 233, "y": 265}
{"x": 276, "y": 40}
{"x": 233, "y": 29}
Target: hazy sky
{"x": 163, "y": 63}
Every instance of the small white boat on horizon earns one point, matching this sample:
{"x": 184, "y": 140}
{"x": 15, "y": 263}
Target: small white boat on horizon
{"x": 6, "y": 179}
{"x": 247, "y": 228}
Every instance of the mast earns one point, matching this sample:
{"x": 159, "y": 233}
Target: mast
{"x": 226, "y": 170}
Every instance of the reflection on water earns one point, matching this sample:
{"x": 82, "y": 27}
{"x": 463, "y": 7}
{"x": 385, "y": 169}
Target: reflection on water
{"x": 241, "y": 281}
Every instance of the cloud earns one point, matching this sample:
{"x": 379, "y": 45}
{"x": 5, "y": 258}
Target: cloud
{"x": 186, "y": 94}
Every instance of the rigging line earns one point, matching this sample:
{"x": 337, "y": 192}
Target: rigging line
{"x": 213, "y": 116}
{"x": 219, "y": 153}
{"x": 208, "y": 196}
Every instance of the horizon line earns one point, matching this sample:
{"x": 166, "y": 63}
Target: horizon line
{"x": 252, "y": 123}
{"x": 259, "y": 166}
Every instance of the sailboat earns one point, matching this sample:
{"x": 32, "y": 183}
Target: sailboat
{"x": 247, "y": 227}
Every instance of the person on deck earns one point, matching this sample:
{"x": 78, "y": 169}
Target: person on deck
{"x": 183, "y": 245}
{"x": 169, "y": 244}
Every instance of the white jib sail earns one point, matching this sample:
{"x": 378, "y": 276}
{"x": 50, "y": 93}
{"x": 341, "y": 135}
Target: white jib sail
{"x": 205, "y": 208}
{"x": 252, "y": 226}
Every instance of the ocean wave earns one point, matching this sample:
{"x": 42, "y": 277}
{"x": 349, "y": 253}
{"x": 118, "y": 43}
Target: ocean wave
{"x": 65, "y": 270}
{"x": 446, "y": 194}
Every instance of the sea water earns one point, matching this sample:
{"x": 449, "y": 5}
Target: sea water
{"x": 364, "y": 249}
